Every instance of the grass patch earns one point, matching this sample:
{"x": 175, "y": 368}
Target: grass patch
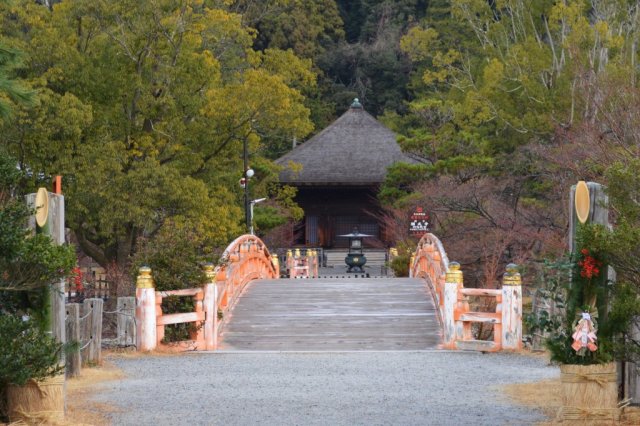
{"x": 81, "y": 410}
{"x": 544, "y": 396}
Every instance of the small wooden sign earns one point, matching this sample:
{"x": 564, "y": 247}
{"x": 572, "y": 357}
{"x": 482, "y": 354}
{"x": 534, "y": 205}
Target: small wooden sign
{"x": 419, "y": 223}
{"x": 582, "y": 201}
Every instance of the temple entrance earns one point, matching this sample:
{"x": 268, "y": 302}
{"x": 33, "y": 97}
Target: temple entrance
{"x": 337, "y": 174}
{"x": 330, "y": 212}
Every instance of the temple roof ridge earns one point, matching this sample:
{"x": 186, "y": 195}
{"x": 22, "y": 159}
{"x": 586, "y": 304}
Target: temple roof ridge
{"x": 355, "y": 149}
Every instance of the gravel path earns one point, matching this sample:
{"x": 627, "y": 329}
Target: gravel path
{"x": 323, "y": 388}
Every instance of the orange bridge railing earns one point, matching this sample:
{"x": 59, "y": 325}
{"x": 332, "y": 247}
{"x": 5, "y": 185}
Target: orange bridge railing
{"x": 445, "y": 281}
{"x": 244, "y": 260}
{"x": 302, "y": 266}
{"x": 247, "y": 259}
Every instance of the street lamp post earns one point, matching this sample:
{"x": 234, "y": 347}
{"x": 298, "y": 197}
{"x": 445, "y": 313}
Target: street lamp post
{"x": 251, "y": 204}
{"x": 244, "y": 182}
{"x": 246, "y": 169}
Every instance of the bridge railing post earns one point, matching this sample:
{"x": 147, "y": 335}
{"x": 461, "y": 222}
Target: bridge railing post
{"x": 159, "y": 326}
{"x": 291, "y": 264}
{"x": 453, "y": 281}
{"x": 276, "y": 264}
{"x": 512, "y": 309}
{"x": 313, "y": 264}
{"x": 411, "y": 262}
{"x": 197, "y": 335}
{"x": 145, "y": 311}
{"x": 437, "y": 278}
{"x": 210, "y": 309}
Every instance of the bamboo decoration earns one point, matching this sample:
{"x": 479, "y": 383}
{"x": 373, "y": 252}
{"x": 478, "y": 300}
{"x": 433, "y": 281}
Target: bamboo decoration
{"x": 582, "y": 201}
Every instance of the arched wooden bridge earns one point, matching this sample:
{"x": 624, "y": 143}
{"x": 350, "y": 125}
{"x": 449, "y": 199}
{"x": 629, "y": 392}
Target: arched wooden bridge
{"x": 245, "y": 305}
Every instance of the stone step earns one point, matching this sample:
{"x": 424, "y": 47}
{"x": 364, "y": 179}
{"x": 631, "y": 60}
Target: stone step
{"x": 477, "y": 345}
{"x": 374, "y": 257}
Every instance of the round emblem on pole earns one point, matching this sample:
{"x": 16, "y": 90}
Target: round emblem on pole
{"x": 582, "y": 201}
{"x": 42, "y": 207}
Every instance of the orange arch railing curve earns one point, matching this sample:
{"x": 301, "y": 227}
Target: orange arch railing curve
{"x": 430, "y": 263}
{"x": 246, "y": 259}
{"x": 445, "y": 281}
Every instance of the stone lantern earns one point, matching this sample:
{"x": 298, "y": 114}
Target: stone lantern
{"x": 355, "y": 259}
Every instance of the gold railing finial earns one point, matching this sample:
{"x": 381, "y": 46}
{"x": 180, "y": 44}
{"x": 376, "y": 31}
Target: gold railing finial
{"x": 209, "y": 271}
{"x": 144, "y": 280}
{"x": 454, "y": 274}
{"x": 512, "y": 276}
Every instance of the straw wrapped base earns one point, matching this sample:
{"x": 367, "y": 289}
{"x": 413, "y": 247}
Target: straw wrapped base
{"x": 37, "y": 402}
{"x": 589, "y": 394}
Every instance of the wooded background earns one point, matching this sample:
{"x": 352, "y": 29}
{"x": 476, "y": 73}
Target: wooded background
{"x": 144, "y": 108}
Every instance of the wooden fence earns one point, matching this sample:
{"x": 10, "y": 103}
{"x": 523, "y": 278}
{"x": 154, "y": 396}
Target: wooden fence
{"x": 83, "y": 325}
{"x": 91, "y": 289}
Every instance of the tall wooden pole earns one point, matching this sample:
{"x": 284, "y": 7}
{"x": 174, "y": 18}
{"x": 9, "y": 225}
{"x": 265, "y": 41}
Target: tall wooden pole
{"x": 49, "y": 220}
{"x": 598, "y": 209}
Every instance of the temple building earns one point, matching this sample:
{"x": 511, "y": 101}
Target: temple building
{"x": 338, "y": 173}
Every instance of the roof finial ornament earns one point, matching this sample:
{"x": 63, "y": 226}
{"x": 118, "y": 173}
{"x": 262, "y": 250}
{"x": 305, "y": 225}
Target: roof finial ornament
{"x": 356, "y": 103}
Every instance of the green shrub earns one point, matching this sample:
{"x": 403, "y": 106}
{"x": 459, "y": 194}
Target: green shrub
{"x": 400, "y": 265}
{"x": 580, "y": 285}
{"x": 26, "y": 352}
{"x": 175, "y": 255}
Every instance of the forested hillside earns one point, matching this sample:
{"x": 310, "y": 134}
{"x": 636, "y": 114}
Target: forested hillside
{"x": 144, "y": 107}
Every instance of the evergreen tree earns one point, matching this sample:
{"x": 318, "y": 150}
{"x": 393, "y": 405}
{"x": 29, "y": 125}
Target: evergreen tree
{"x": 145, "y": 108}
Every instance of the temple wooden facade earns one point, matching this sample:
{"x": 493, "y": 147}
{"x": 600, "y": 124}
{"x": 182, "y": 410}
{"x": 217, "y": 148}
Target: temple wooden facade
{"x": 338, "y": 173}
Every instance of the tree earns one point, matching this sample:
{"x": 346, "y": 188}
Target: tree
{"x": 606, "y": 149}
{"x": 522, "y": 75}
{"x": 145, "y": 107}
{"x": 518, "y": 75}
{"x": 11, "y": 90}
{"x": 28, "y": 263}
{"x": 307, "y": 27}
{"x": 369, "y": 63}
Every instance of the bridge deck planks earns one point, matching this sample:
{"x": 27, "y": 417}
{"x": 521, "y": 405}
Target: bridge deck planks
{"x": 333, "y": 315}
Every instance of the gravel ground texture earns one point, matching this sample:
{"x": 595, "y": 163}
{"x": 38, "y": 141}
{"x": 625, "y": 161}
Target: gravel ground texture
{"x": 323, "y": 388}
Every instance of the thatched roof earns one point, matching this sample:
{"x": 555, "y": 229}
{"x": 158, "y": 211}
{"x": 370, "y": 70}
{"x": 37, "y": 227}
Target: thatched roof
{"x": 355, "y": 149}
